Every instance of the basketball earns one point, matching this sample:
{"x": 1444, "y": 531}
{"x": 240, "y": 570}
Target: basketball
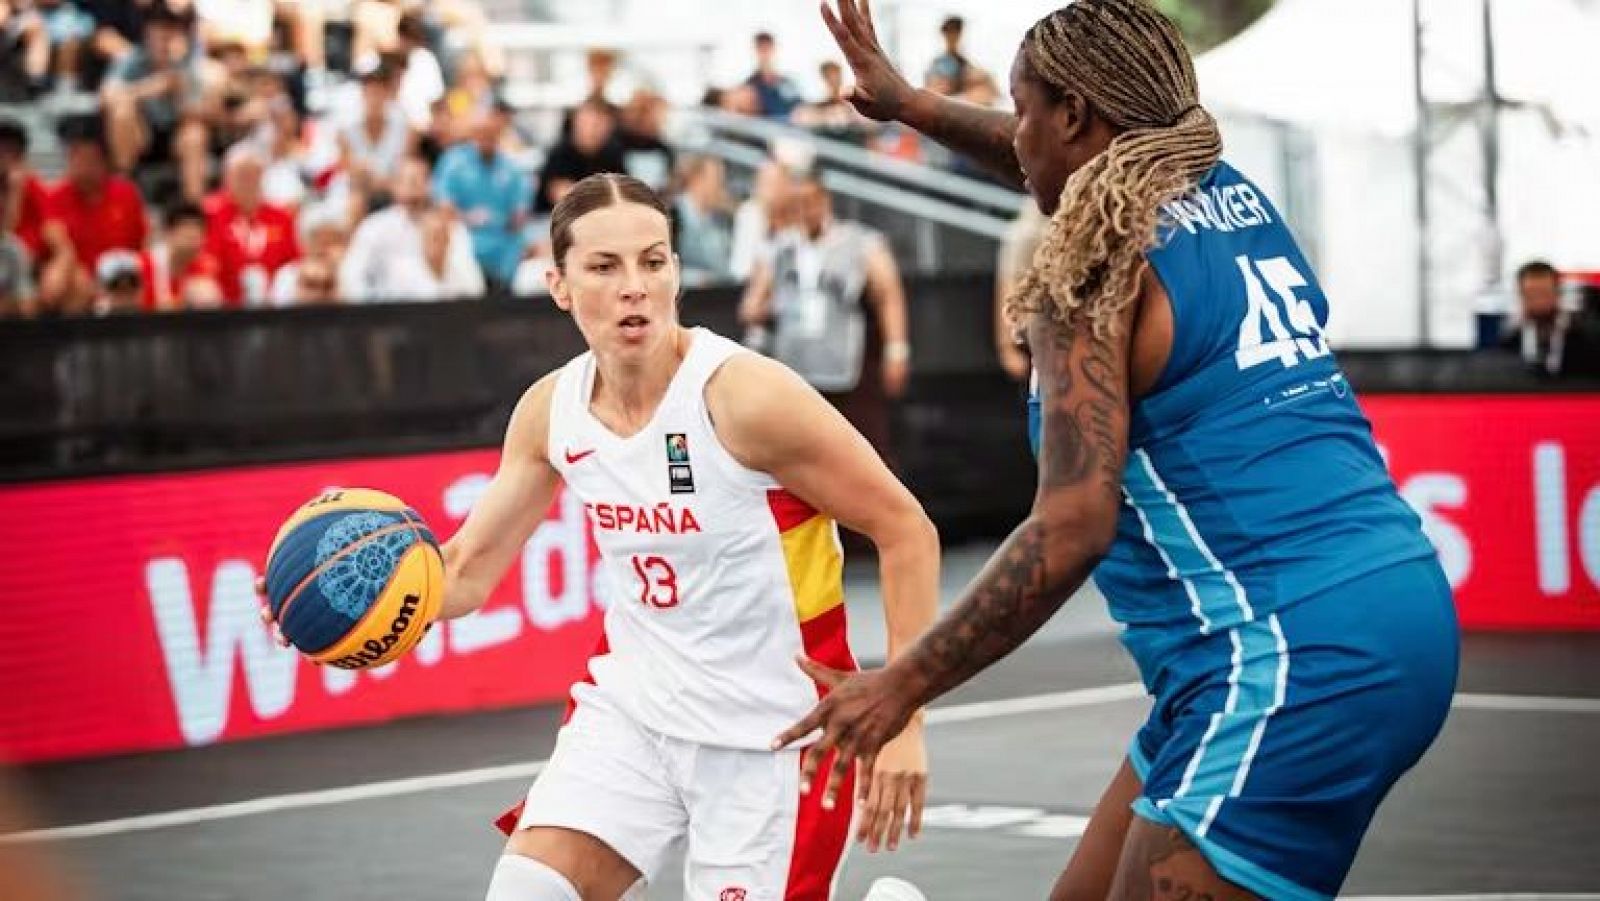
{"x": 354, "y": 577}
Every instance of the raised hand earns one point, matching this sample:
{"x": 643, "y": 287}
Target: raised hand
{"x": 880, "y": 91}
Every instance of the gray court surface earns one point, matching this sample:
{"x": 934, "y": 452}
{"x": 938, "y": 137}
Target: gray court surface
{"x": 1506, "y": 802}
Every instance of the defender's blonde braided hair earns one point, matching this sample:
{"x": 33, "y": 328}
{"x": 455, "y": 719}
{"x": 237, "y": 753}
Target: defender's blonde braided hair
{"x": 1131, "y": 65}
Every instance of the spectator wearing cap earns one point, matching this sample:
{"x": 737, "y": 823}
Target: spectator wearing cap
{"x": 589, "y": 149}
{"x": 23, "y": 207}
{"x": 149, "y": 95}
{"x": 372, "y": 145}
{"x": 490, "y": 194}
{"x": 251, "y": 238}
{"x": 324, "y": 239}
{"x": 88, "y": 212}
{"x": 181, "y": 273}
{"x": 776, "y": 93}
{"x": 119, "y": 284}
{"x": 395, "y": 232}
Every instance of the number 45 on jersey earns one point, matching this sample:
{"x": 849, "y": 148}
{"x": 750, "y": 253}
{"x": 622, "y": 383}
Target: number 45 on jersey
{"x": 1280, "y": 327}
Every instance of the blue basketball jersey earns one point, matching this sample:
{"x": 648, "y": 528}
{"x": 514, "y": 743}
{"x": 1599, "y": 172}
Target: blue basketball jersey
{"x": 1252, "y": 480}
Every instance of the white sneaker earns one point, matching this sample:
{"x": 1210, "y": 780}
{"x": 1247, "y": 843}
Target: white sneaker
{"x": 891, "y": 889}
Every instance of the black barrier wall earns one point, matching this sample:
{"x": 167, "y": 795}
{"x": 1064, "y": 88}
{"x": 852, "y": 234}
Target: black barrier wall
{"x": 202, "y": 390}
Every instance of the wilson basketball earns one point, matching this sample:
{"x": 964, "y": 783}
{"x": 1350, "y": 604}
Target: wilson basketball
{"x": 354, "y": 577}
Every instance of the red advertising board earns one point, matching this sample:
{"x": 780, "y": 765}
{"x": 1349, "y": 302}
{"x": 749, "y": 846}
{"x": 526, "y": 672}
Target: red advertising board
{"x": 1509, "y": 490}
{"x": 133, "y": 625}
{"x": 130, "y": 621}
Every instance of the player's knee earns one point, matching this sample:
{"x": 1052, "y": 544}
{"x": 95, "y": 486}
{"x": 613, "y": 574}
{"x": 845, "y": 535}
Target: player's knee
{"x": 518, "y": 878}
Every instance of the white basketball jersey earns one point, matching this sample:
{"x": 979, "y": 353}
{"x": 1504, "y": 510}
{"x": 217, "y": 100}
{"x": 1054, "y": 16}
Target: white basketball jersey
{"x": 717, "y": 577}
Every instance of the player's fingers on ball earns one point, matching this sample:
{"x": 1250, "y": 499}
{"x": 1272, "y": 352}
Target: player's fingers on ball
{"x": 261, "y": 585}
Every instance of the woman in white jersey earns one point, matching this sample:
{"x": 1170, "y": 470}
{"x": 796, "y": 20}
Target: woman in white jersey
{"x": 712, "y": 478}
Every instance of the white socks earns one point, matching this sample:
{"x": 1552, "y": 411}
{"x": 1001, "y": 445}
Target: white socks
{"x": 518, "y": 878}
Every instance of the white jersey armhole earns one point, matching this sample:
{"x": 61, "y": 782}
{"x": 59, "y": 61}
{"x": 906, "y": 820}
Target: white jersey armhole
{"x": 715, "y": 352}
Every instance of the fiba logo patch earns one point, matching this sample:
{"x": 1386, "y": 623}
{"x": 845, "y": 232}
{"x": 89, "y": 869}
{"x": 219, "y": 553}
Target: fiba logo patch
{"x": 733, "y": 893}
{"x": 680, "y": 478}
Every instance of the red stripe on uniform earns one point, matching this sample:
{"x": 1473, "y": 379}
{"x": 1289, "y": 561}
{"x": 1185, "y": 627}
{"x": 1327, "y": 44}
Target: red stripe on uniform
{"x": 507, "y": 822}
{"x": 826, "y": 638}
{"x": 819, "y": 840}
{"x": 820, "y": 835}
{"x": 787, "y": 510}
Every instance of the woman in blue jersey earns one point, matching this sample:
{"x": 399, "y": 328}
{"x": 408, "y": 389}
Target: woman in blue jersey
{"x": 1202, "y": 456}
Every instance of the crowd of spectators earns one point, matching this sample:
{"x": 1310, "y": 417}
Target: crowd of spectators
{"x": 247, "y": 153}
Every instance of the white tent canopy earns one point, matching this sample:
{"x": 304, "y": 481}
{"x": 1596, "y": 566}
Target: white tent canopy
{"x": 1344, "y": 71}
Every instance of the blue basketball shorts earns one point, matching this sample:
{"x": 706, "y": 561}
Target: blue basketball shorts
{"x": 1272, "y": 744}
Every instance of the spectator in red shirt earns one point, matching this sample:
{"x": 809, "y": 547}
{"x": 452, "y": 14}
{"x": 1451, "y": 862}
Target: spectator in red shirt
{"x": 180, "y": 273}
{"x": 251, "y": 238}
{"x": 89, "y": 212}
{"x": 22, "y": 213}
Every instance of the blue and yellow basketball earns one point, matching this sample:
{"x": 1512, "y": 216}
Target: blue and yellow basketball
{"x": 354, "y": 577}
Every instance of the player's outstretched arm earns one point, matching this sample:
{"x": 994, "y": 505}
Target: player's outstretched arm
{"x": 477, "y": 557}
{"x": 880, "y": 92}
{"x": 771, "y": 421}
{"x": 1084, "y": 383}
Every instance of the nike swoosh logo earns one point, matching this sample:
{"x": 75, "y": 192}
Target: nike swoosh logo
{"x": 573, "y": 458}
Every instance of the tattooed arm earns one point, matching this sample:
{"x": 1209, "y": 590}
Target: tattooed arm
{"x": 882, "y": 93}
{"x": 1084, "y": 385}
{"x": 1083, "y": 382}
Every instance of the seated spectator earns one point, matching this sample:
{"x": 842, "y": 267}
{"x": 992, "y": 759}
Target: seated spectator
{"x": 430, "y": 275}
{"x": 316, "y": 283}
{"x": 759, "y": 219}
{"x": 490, "y": 193}
{"x": 251, "y": 238}
{"x": 180, "y": 273}
{"x": 22, "y": 212}
{"x": 590, "y": 149}
{"x": 422, "y": 84}
{"x": 151, "y": 95}
{"x": 393, "y": 233}
{"x": 833, "y": 113}
{"x": 234, "y": 95}
{"x": 1544, "y": 333}
{"x": 247, "y": 23}
{"x": 948, "y": 71}
{"x": 24, "y": 52}
{"x": 776, "y": 93}
{"x": 372, "y": 145}
{"x": 70, "y": 30}
{"x": 285, "y": 182}
{"x": 16, "y": 277}
{"x": 323, "y": 239}
{"x": 641, "y": 129}
{"x": 704, "y": 232}
{"x": 88, "y": 212}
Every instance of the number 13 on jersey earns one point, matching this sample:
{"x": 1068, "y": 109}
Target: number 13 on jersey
{"x": 658, "y": 581}
{"x": 1301, "y": 339}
